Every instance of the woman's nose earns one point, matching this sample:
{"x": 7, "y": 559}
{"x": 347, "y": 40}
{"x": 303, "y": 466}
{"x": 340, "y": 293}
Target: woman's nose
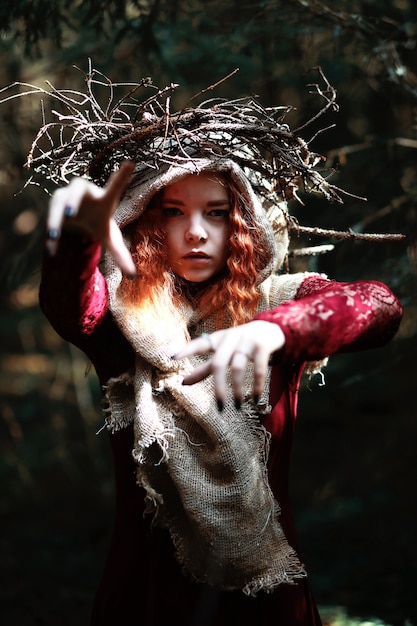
{"x": 195, "y": 231}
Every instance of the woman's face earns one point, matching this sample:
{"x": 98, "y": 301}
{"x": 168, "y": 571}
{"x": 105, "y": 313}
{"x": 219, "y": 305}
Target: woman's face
{"x": 195, "y": 216}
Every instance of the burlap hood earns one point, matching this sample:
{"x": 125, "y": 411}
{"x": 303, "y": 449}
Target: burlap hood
{"x": 204, "y": 472}
{"x": 271, "y": 219}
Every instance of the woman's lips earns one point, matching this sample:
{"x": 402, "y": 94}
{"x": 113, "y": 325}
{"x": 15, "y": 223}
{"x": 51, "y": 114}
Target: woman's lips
{"x": 196, "y": 255}
{"x": 197, "y": 259}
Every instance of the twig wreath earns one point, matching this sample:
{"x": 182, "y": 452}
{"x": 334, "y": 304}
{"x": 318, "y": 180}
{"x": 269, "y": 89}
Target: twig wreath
{"x": 90, "y": 140}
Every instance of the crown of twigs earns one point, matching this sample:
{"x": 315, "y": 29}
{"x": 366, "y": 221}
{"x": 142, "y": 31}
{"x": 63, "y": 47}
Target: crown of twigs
{"x": 88, "y": 139}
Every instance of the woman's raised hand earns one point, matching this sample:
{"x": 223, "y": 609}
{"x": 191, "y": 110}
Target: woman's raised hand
{"x": 233, "y": 348}
{"x": 84, "y": 205}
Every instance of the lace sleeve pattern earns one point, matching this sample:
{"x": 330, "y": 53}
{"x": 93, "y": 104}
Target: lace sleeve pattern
{"x": 328, "y": 317}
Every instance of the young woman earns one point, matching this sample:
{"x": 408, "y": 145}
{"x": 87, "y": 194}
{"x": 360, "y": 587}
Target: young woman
{"x": 199, "y": 345}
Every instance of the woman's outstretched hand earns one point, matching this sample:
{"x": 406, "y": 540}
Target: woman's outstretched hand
{"x": 84, "y": 205}
{"x": 233, "y": 348}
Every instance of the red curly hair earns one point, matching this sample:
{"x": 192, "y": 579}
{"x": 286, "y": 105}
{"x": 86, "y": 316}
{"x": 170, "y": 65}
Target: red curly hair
{"x": 235, "y": 291}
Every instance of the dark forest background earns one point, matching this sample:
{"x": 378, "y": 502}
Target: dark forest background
{"x": 354, "y": 462}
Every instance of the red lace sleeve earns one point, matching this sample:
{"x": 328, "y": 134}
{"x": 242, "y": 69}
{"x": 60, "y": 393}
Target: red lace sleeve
{"x": 328, "y": 317}
{"x": 73, "y": 292}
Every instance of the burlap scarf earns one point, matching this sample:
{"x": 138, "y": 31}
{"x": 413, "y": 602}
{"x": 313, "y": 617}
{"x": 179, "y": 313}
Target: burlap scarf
{"x": 204, "y": 472}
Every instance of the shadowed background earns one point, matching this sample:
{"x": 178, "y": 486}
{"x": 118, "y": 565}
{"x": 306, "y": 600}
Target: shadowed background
{"x": 354, "y": 460}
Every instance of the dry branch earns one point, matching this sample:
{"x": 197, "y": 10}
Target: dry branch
{"x": 343, "y": 234}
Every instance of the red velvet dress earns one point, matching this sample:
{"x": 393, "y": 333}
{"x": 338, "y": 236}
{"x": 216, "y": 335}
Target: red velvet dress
{"x": 142, "y": 584}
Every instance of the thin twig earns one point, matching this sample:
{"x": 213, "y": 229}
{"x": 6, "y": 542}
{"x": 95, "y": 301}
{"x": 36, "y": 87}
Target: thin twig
{"x": 216, "y": 84}
{"x": 310, "y": 251}
{"x": 345, "y": 234}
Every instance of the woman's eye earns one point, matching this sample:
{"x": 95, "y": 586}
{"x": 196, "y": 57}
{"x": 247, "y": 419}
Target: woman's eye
{"x": 220, "y": 213}
{"x": 170, "y": 211}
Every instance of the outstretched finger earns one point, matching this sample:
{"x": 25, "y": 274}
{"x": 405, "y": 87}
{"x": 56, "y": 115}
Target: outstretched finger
{"x": 65, "y": 202}
{"x": 238, "y": 365}
{"x": 206, "y": 344}
{"x": 199, "y": 345}
{"x": 118, "y": 182}
{"x": 260, "y": 367}
{"x": 117, "y": 247}
{"x": 198, "y": 374}
{"x": 54, "y": 221}
{"x": 202, "y": 372}
{"x": 223, "y": 358}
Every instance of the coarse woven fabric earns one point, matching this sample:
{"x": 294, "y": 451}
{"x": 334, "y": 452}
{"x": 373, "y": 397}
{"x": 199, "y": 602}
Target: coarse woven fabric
{"x": 204, "y": 472}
